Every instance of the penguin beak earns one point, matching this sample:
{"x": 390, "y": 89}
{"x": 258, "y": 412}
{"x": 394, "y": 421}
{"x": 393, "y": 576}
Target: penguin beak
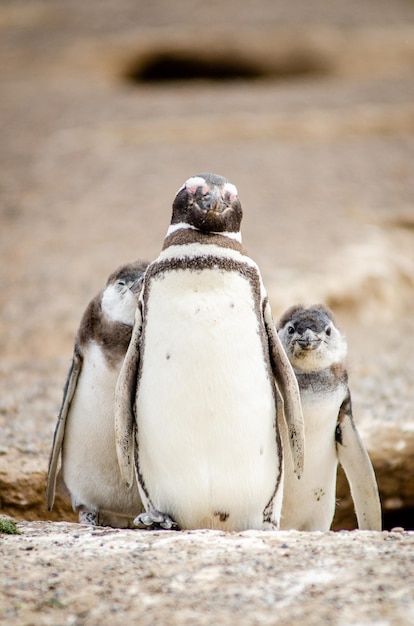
{"x": 212, "y": 202}
{"x": 308, "y": 340}
{"x": 136, "y": 286}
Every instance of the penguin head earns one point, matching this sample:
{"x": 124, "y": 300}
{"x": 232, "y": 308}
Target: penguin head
{"x": 120, "y": 296}
{"x": 311, "y": 339}
{"x": 209, "y": 203}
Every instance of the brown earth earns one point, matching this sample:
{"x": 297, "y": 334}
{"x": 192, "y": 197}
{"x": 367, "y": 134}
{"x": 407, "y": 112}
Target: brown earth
{"x": 309, "y": 111}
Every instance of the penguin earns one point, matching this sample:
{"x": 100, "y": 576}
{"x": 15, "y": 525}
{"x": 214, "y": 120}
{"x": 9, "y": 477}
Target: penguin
{"x": 317, "y": 351}
{"x": 84, "y": 436}
{"x": 195, "y": 407}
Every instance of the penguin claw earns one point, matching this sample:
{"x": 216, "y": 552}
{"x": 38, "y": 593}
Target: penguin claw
{"x": 155, "y": 520}
{"x": 88, "y": 517}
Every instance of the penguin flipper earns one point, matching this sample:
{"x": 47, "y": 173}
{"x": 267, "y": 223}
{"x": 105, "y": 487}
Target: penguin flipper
{"x": 124, "y": 404}
{"x": 358, "y": 469}
{"x": 288, "y": 389}
{"x": 59, "y": 434}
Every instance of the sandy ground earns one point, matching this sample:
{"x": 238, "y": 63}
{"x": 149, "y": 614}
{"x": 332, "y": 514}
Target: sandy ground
{"x": 60, "y": 573}
{"x": 321, "y": 149}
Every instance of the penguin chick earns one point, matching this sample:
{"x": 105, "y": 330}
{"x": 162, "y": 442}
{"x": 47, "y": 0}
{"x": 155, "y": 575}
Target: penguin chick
{"x": 198, "y": 383}
{"x": 317, "y": 351}
{"x": 84, "y": 436}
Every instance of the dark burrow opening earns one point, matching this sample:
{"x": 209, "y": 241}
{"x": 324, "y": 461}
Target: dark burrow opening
{"x": 173, "y": 66}
{"x": 398, "y": 518}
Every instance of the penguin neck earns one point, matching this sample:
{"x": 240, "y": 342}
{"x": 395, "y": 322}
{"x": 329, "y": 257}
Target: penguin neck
{"x": 324, "y": 380}
{"x": 181, "y": 234}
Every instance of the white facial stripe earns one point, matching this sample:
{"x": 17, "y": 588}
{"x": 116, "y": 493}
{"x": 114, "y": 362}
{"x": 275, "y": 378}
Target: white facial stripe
{"x": 231, "y": 190}
{"x": 194, "y": 182}
{"x": 181, "y": 225}
{"x": 235, "y": 236}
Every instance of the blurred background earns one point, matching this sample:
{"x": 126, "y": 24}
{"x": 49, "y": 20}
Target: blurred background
{"x": 107, "y": 107}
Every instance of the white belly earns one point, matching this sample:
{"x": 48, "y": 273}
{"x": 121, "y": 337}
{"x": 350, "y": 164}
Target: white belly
{"x": 309, "y": 503}
{"x": 205, "y": 404}
{"x": 89, "y": 462}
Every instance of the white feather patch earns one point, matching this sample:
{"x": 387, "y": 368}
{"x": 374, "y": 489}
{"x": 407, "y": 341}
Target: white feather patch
{"x": 193, "y": 250}
{"x": 90, "y": 465}
{"x": 205, "y": 403}
{"x": 193, "y": 183}
{"x": 315, "y": 491}
{"x": 231, "y": 190}
{"x": 180, "y": 226}
{"x": 119, "y": 304}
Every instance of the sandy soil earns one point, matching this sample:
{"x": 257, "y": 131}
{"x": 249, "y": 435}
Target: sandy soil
{"x": 60, "y": 573}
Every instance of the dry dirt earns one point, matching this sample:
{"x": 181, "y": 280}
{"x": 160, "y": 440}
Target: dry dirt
{"x": 60, "y": 573}
{"x": 318, "y": 136}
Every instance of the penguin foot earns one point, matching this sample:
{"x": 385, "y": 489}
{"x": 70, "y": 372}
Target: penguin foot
{"x": 155, "y": 520}
{"x": 88, "y": 517}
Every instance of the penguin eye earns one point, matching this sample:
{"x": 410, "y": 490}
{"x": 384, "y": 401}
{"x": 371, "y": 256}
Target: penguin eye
{"x": 291, "y": 330}
{"x": 121, "y": 283}
{"x": 328, "y": 331}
